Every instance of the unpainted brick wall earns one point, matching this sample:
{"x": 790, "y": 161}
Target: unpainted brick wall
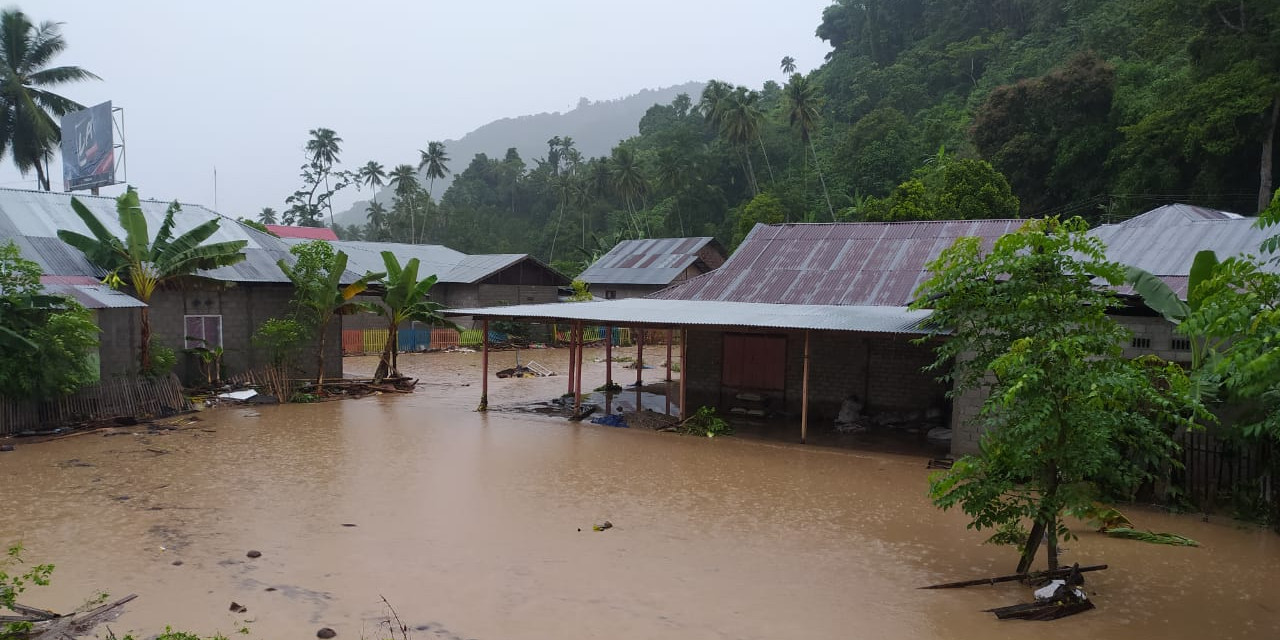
{"x": 883, "y": 370}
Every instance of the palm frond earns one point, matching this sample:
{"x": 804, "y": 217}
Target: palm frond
{"x": 1152, "y": 537}
{"x": 60, "y": 75}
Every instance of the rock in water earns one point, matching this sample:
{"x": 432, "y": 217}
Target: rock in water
{"x": 326, "y": 633}
{"x": 254, "y": 553}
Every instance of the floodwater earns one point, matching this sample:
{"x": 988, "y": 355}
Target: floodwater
{"x": 479, "y": 526}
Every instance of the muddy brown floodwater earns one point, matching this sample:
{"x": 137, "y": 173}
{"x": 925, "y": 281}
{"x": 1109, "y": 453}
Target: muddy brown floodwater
{"x": 479, "y": 526}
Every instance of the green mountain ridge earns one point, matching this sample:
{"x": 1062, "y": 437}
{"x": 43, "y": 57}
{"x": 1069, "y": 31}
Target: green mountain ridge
{"x": 596, "y": 127}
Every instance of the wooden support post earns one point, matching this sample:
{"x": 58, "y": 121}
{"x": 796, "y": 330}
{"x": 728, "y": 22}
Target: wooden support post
{"x": 639, "y": 368}
{"x": 572, "y": 359}
{"x": 684, "y": 372}
{"x": 608, "y": 370}
{"x": 667, "y": 392}
{"x": 484, "y": 367}
{"x": 577, "y": 370}
{"x": 804, "y": 392}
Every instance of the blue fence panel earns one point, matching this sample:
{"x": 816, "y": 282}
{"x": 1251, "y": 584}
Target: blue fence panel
{"x": 414, "y": 339}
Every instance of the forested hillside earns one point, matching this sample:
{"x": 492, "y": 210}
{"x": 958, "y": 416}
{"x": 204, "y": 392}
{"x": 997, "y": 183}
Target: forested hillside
{"x": 595, "y": 125}
{"x": 923, "y": 109}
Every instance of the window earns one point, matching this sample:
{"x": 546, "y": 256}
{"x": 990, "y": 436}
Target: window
{"x": 202, "y": 331}
{"x": 1141, "y": 343}
{"x": 1180, "y": 344}
{"x": 610, "y": 294}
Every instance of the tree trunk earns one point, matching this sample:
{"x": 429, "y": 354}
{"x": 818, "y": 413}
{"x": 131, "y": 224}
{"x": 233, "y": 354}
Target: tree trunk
{"x": 384, "y": 362}
{"x": 324, "y": 328}
{"x": 144, "y": 352}
{"x": 1052, "y": 530}
{"x": 42, "y": 180}
{"x": 823, "y": 180}
{"x": 1268, "y": 151}
{"x": 751, "y": 173}
{"x": 1032, "y": 547}
{"x": 768, "y": 165}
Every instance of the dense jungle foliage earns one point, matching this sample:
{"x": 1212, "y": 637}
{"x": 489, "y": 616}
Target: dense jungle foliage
{"x": 923, "y": 109}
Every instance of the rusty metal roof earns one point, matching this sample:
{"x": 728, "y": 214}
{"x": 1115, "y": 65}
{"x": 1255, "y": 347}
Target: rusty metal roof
{"x": 32, "y": 219}
{"x": 655, "y": 261}
{"x": 851, "y": 263}
{"x": 671, "y": 313}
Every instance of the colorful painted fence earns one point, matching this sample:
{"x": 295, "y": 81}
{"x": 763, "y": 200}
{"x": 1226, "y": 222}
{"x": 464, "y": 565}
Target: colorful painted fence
{"x": 372, "y": 341}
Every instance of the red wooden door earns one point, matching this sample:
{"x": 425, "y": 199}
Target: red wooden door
{"x": 754, "y": 362}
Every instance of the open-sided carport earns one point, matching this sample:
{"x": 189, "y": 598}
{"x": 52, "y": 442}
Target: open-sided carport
{"x": 684, "y": 315}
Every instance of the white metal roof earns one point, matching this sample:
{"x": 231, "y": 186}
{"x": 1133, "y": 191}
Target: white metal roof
{"x": 651, "y": 311}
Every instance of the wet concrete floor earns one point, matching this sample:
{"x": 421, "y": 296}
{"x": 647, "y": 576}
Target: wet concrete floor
{"x": 469, "y": 525}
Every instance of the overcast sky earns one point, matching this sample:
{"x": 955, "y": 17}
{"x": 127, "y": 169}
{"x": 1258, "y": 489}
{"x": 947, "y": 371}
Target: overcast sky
{"x": 237, "y": 84}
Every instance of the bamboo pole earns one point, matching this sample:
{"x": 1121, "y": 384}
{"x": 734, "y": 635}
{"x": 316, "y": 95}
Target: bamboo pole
{"x": 484, "y": 367}
{"x": 572, "y": 358}
{"x": 608, "y": 370}
{"x": 804, "y": 392}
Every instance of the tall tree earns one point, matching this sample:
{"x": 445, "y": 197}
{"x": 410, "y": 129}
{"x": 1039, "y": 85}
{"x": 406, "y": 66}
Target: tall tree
{"x": 1067, "y": 419}
{"x": 629, "y": 182}
{"x": 740, "y": 120}
{"x": 404, "y": 298}
{"x": 802, "y": 112}
{"x": 267, "y": 216}
{"x": 146, "y": 264}
{"x": 435, "y": 162}
{"x": 28, "y": 129}
{"x": 324, "y": 148}
{"x": 788, "y": 65}
{"x": 377, "y": 216}
{"x": 405, "y": 182}
{"x": 371, "y": 175}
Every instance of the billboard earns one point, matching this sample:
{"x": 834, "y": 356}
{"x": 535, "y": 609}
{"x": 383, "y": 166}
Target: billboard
{"x": 88, "y": 148}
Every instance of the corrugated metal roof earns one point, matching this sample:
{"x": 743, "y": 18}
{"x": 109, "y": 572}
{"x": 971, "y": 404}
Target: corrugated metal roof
{"x": 447, "y": 264}
{"x": 95, "y": 296}
{"x": 655, "y": 261}
{"x": 851, "y": 263}
{"x": 32, "y": 219}
{"x": 1164, "y": 241}
{"x": 306, "y": 233}
{"x": 650, "y": 311}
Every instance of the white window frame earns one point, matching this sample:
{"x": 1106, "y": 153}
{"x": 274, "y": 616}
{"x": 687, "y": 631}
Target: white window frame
{"x": 191, "y": 344}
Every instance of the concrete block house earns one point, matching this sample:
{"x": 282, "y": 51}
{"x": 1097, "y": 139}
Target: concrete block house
{"x": 223, "y": 306}
{"x": 635, "y": 268}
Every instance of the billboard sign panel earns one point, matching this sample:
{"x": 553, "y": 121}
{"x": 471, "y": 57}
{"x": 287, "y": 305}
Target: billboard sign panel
{"x": 88, "y": 148}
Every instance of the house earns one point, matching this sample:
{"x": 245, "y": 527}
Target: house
{"x": 800, "y": 318}
{"x": 635, "y": 268}
{"x": 302, "y": 233}
{"x": 222, "y": 307}
{"x": 463, "y": 280}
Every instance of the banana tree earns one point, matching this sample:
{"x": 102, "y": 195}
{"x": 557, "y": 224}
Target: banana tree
{"x": 318, "y": 291}
{"x": 404, "y": 299}
{"x": 146, "y": 264}
{"x": 1162, "y": 299}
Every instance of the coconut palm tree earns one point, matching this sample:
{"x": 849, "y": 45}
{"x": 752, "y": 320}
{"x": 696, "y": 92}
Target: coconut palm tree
{"x": 435, "y": 162}
{"x": 403, "y": 299}
{"x": 713, "y": 103}
{"x": 802, "y": 111}
{"x": 324, "y": 148}
{"x": 629, "y": 182}
{"x": 377, "y": 215}
{"x": 268, "y": 216}
{"x": 788, "y": 65}
{"x": 740, "y": 124}
{"x": 146, "y": 264}
{"x": 405, "y": 181}
{"x": 28, "y": 128}
{"x": 567, "y": 189}
{"x": 371, "y": 175}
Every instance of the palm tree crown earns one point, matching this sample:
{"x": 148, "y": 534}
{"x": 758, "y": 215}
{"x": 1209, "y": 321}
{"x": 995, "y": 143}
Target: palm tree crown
{"x": 27, "y": 109}
{"x": 324, "y": 147}
{"x": 372, "y": 175}
{"x": 788, "y": 65}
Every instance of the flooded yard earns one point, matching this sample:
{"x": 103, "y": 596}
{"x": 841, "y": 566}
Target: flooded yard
{"x": 479, "y": 526}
